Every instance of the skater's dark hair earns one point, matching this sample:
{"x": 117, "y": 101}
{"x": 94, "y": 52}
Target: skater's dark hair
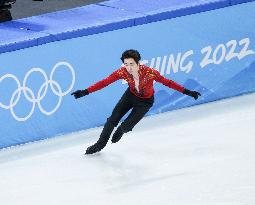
{"x": 131, "y": 54}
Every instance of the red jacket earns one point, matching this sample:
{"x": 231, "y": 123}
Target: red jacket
{"x": 146, "y": 77}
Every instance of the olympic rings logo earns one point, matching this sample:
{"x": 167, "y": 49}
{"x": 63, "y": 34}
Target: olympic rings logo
{"x": 30, "y": 95}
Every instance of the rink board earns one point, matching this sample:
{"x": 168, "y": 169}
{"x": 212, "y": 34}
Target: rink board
{"x": 96, "y": 18}
{"x": 36, "y": 82}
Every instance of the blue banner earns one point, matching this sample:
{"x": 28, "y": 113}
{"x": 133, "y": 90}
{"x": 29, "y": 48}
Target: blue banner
{"x": 212, "y": 52}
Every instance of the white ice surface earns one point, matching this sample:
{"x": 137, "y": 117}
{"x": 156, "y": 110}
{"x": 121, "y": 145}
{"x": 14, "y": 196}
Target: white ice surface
{"x": 204, "y": 155}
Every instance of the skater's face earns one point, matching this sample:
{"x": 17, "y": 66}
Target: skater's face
{"x": 131, "y": 65}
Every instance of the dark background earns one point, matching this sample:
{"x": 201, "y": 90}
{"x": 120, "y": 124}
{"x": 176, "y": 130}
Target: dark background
{"x": 26, "y": 8}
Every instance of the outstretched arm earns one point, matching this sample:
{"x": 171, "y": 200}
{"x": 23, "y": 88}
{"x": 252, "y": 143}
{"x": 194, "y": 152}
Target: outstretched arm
{"x": 171, "y": 84}
{"x": 105, "y": 82}
{"x": 97, "y": 86}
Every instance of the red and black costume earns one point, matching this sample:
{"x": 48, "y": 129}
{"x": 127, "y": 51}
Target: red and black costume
{"x": 140, "y": 101}
{"x": 146, "y": 77}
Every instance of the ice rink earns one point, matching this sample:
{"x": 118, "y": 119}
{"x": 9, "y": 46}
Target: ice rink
{"x": 204, "y": 155}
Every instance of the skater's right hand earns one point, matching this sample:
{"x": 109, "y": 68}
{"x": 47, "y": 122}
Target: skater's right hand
{"x": 80, "y": 93}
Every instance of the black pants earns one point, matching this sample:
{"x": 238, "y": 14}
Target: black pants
{"x": 127, "y": 102}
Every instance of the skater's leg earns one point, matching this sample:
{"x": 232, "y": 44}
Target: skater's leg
{"x": 103, "y": 139}
{"x": 117, "y": 134}
{"x": 128, "y": 124}
{"x": 122, "y": 107}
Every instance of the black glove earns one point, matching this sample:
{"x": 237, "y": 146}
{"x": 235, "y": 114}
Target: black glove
{"x": 191, "y": 93}
{"x": 80, "y": 93}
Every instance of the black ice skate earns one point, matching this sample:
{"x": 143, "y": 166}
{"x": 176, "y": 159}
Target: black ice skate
{"x": 92, "y": 149}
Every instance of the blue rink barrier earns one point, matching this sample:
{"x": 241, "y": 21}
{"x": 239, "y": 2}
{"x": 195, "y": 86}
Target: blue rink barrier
{"x": 209, "y": 47}
{"x": 233, "y": 2}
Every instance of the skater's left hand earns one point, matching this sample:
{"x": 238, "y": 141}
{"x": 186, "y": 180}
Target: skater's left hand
{"x": 191, "y": 93}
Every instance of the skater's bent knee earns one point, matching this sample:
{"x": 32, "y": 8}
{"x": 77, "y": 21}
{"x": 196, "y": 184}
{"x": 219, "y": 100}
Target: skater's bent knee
{"x": 112, "y": 121}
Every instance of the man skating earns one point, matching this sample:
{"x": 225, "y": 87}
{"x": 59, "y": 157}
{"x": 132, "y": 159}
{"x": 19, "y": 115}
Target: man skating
{"x": 139, "y": 97}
